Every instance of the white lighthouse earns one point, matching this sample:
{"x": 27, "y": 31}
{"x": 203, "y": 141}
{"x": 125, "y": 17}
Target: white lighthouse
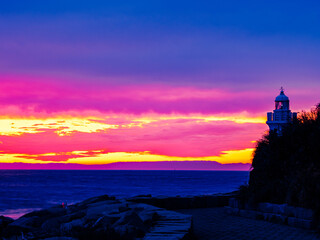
{"x": 281, "y": 115}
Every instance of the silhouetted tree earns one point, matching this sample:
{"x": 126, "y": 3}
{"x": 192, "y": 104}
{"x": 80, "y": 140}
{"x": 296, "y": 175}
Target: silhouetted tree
{"x": 286, "y": 168}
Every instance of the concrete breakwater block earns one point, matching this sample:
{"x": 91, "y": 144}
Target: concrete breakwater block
{"x": 275, "y": 218}
{"x": 276, "y": 213}
{"x": 298, "y": 212}
{"x": 270, "y": 217}
{"x": 271, "y": 208}
{"x": 300, "y": 223}
{"x": 232, "y": 210}
{"x": 286, "y": 210}
{"x": 234, "y": 203}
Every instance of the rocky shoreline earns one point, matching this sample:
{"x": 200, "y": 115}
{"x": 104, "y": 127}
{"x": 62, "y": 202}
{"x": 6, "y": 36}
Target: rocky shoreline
{"x": 100, "y": 217}
{"x": 141, "y": 217}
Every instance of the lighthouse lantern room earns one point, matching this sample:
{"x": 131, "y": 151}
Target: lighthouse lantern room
{"x": 281, "y": 115}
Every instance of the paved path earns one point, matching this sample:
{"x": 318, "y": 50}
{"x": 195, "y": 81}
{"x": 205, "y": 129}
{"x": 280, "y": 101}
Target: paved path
{"x": 215, "y": 224}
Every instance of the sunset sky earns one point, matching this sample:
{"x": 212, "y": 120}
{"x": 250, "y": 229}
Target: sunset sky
{"x": 99, "y": 82}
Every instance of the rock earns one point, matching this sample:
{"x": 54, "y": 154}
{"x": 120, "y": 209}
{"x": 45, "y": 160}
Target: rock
{"x": 143, "y": 196}
{"x": 95, "y": 218}
{"x": 128, "y": 232}
{"x": 27, "y": 222}
{"x": 52, "y": 225}
{"x": 289, "y": 211}
{"x": 124, "y": 209}
{"x": 128, "y": 222}
{"x": 95, "y": 200}
{"x": 104, "y": 199}
{"x": 104, "y": 207}
{"x": 4, "y": 221}
{"x": 265, "y": 207}
{"x": 131, "y": 218}
{"x": 73, "y": 216}
{"x": 73, "y": 226}
{"x": 104, "y": 222}
{"x": 279, "y": 208}
{"x": 48, "y": 213}
{"x": 23, "y": 225}
{"x": 14, "y": 231}
{"x": 37, "y": 218}
{"x": 278, "y": 218}
{"x": 300, "y": 223}
{"x": 61, "y": 238}
{"x": 148, "y": 217}
{"x": 92, "y": 218}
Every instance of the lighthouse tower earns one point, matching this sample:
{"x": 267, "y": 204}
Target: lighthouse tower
{"x": 281, "y": 115}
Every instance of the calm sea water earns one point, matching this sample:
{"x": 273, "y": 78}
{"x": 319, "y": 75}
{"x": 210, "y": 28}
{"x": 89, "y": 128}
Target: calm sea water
{"x": 22, "y": 191}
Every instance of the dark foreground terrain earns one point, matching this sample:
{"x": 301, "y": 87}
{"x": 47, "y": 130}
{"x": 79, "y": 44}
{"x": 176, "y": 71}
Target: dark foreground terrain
{"x": 215, "y": 224}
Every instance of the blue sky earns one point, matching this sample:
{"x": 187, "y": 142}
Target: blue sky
{"x": 229, "y": 44}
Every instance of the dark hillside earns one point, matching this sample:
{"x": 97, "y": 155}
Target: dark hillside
{"x": 286, "y": 169}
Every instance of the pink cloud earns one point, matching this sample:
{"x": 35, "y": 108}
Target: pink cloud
{"x": 25, "y": 96}
{"x": 182, "y": 136}
{"x": 50, "y": 96}
{"x": 166, "y": 137}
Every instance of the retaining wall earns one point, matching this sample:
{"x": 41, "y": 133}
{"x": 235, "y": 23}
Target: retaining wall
{"x": 278, "y": 213}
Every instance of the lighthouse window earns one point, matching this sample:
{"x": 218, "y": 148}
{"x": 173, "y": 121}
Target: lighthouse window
{"x": 279, "y": 105}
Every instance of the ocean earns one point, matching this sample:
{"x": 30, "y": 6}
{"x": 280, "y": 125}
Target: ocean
{"x": 22, "y": 191}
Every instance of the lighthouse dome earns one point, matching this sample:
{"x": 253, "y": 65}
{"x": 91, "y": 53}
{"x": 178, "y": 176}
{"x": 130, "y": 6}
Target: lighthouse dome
{"x": 282, "y": 97}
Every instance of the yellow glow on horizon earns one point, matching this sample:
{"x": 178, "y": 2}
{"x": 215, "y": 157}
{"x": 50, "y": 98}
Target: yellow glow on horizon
{"x": 20, "y": 158}
{"x": 233, "y": 156}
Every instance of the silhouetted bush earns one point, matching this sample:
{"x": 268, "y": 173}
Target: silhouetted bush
{"x": 286, "y": 168}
